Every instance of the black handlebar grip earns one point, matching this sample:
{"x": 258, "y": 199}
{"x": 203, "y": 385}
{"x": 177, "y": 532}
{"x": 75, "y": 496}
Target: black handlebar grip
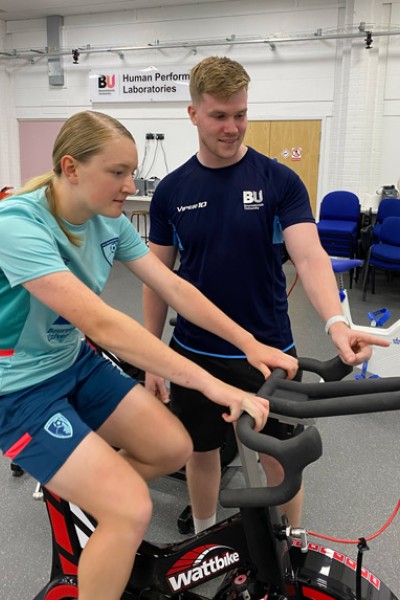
{"x": 302, "y": 400}
{"x": 330, "y": 370}
{"x": 333, "y": 398}
{"x": 294, "y": 455}
{"x": 270, "y": 384}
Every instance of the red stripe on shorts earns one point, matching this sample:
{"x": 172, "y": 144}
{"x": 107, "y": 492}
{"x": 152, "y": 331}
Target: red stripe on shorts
{"x": 6, "y": 352}
{"x": 18, "y": 446}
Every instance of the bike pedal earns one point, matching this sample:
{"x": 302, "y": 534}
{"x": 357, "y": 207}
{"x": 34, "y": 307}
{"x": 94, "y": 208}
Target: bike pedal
{"x": 16, "y": 470}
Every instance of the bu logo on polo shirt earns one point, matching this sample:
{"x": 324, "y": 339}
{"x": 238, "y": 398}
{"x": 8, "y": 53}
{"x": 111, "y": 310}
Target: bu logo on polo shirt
{"x": 252, "y": 200}
{"x": 59, "y": 427}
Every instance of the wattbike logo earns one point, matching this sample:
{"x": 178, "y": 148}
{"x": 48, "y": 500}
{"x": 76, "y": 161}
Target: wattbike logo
{"x": 200, "y": 564}
{"x": 106, "y": 84}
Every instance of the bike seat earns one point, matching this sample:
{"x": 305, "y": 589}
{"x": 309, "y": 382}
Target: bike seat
{"x": 340, "y": 265}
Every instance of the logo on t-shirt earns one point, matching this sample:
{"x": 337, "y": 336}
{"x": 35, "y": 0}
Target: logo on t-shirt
{"x": 252, "y": 200}
{"x": 59, "y": 427}
{"x": 59, "y": 330}
{"x": 109, "y": 249}
{"x": 191, "y": 206}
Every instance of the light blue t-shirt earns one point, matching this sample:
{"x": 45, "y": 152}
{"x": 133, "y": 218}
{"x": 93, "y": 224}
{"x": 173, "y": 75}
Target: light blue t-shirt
{"x": 35, "y": 342}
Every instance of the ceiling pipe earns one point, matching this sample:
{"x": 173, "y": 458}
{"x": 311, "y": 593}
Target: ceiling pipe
{"x": 232, "y": 40}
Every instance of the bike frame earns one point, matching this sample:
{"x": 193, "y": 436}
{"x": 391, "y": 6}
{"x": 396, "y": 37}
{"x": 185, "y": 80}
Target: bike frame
{"x": 243, "y": 546}
{"x": 260, "y": 556}
{"x": 384, "y": 361}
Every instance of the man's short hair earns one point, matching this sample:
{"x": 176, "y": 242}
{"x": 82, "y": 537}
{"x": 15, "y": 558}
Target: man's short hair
{"x": 217, "y": 76}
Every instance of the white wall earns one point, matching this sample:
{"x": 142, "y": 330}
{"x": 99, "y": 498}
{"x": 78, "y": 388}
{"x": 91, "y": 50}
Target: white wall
{"x": 356, "y": 92}
{"x": 388, "y": 157}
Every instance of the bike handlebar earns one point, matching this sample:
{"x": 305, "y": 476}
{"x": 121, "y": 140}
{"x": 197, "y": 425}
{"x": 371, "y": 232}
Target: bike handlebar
{"x": 304, "y": 400}
{"x": 294, "y": 455}
{"x": 332, "y": 397}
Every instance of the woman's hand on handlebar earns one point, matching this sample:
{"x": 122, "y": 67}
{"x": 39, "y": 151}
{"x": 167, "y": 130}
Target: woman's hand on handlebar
{"x": 237, "y": 401}
{"x": 221, "y": 393}
{"x": 354, "y": 347}
{"x": 156, "y": 386}
{"x": 264, "y": 358}
{"x": 256, "y": 407}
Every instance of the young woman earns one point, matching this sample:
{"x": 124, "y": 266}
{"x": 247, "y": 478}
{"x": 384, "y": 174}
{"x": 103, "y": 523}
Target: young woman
{"x": 62, "y": 407}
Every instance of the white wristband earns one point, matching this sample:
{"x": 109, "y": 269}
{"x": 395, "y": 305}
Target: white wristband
{"x": 335, "y": 319}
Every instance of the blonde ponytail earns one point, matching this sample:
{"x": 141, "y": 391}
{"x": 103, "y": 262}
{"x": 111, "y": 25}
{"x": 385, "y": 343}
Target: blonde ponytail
{"x": 82, "y": 136}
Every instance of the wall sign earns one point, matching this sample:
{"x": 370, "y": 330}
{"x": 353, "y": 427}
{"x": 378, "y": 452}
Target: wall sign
{"x": 297, "y": 153}
{"x": 150, "y": 84}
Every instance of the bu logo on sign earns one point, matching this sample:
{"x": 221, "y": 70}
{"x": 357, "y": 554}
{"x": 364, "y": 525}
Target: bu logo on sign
{"x": 106, "y": 82}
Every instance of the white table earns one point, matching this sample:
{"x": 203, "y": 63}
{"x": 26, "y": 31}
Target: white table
{"x": 138, "y": 203}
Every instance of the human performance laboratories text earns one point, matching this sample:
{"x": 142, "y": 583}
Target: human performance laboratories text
{"x": 157, "y": 83}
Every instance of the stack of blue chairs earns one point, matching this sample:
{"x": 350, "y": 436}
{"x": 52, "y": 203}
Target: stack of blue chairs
{"x": 388, "y": 207}
{"x": 384, "y": 253}
{"x": 338, "y": 225}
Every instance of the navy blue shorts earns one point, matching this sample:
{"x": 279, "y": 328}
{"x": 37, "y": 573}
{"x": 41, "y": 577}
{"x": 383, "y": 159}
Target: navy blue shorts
{"x": 203, "y": 418}
{"x": 42, "y": 425}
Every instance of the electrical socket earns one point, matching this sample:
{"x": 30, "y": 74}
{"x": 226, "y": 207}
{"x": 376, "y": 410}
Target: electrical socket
{"x": 159, "y": 136}
{"x": 150, "y": 136}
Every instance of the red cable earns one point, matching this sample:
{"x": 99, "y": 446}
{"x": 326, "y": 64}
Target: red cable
{"x": 371, "y": 537}
{"x": 293, "y": 284}
{"x": 340, "y": 540}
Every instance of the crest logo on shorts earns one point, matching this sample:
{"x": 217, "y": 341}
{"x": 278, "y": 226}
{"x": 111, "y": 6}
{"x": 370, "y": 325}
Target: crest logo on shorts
{"x": 59, "y": 427}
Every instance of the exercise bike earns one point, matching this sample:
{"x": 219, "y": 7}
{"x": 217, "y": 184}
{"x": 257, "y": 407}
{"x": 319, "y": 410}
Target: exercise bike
{"x": 384, "y": 362}
{"x": 258, "y": 553}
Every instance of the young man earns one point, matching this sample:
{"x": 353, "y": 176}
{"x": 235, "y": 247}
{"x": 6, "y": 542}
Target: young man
{"x": 224, "y": 210}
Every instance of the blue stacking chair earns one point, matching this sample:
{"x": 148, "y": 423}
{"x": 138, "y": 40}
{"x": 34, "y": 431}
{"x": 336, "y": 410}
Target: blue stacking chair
{"x": 388, "y": 207}
{"x": 338, "y": 224}
{"x": 384, "y": 254}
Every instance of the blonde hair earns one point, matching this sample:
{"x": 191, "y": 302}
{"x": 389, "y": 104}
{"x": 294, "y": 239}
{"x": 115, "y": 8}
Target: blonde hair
{"x": 82, "y": 136}
{"x": 218, "y": 76}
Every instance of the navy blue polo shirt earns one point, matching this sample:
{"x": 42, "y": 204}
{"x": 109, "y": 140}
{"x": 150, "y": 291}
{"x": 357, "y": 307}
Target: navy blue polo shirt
{"x": 227, "y": 224}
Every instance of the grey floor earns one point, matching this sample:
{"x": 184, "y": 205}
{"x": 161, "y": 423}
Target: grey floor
{"x": 350, "y": 492}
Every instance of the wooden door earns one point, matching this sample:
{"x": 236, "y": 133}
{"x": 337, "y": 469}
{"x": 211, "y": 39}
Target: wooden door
{"x": 293, "y": 143}
{"x": 258, "y": 135}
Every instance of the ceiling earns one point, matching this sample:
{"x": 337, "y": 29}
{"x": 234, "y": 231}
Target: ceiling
{"x": 15, "y": 10}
